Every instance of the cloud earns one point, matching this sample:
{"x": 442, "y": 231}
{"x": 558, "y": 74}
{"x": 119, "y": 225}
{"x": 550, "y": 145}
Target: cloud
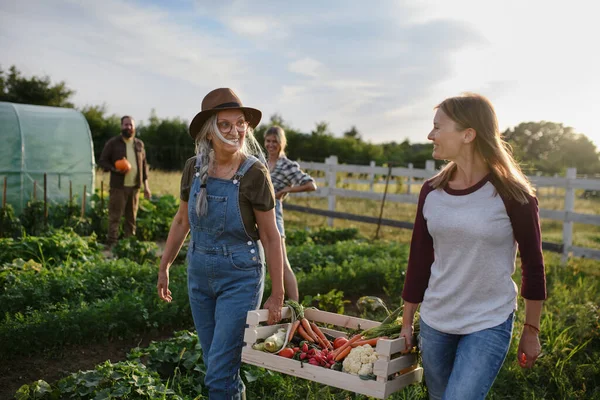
{"x": 337, "y": 61}
{"x": 306, "y": 66}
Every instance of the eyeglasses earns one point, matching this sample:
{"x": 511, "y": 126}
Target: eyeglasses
{"x": 226, "y": 126}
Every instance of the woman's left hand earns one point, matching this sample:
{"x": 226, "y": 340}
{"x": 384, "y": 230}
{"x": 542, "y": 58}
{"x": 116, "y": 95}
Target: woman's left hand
{"x": 282, "y": 194}
{"x": 529, "y": 348}
{"x": 274, "y": 304}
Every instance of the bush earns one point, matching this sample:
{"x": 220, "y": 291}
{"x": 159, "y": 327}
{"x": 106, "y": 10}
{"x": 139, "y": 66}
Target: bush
{"x": 135, "y": 250}
{"x": 10, "y": 225}
{"x": 51, "y": 250}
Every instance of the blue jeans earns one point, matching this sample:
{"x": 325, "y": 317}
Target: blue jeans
{"x": 463, "y": 366}
{"x": 279, "y": 218}
{"x": 222, "y": 289}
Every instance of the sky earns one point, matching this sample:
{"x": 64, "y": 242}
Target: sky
{"x": 380, "y": 66}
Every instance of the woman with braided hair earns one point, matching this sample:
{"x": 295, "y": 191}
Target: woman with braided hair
{"x": 227, "y": 202}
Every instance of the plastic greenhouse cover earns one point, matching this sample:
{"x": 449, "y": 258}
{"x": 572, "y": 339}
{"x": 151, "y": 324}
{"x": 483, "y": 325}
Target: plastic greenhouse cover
{"x": 38, "y": 140}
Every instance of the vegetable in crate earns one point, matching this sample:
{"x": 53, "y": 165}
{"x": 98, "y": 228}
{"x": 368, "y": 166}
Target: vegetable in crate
{"x": 360, "y": 360}
{"x": 274, "y": 342}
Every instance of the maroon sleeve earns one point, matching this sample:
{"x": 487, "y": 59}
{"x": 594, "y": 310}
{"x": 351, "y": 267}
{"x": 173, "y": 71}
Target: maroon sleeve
{"x": 421, "y": 254}
{"x": 525, "y": 220}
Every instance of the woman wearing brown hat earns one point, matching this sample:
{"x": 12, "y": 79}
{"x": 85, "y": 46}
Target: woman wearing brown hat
{"x": 227, "y": 201}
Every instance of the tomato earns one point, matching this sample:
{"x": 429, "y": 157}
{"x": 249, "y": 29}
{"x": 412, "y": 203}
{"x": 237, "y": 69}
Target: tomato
{"x": 287, "y": 352}
{"x": 339, "y": 342}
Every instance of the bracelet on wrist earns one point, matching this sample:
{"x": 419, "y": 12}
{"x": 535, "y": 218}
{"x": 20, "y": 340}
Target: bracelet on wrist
{"x": 533, "y": 327}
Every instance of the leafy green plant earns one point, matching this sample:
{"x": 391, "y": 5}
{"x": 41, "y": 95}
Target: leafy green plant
{"x": 125, "y": 379}
{"x": 331, "y": 301}
{"x": 50, "y": 250}
{"x": 155, "y": 216}
{"x": 32, "y": 218}
{"x": 135, "y": 250}
{"x": 10, "y": 225}
{"x": 331, "y": 236}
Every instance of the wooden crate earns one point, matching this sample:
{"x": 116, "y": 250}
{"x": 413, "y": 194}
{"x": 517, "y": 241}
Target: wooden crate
{"x": 383, "y": 368}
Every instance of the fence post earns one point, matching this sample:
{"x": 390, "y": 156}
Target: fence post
{"x": 4, "y": 192}
{"x": 569, "y": 208}
{"x": 45, "y": 200}
{"x": 83, "y": 201}
{"x": 331, "y": 176}
{"x": 430, "y": 166}
{"x": 409, "y": 178}
{"x": 371, "y": 176}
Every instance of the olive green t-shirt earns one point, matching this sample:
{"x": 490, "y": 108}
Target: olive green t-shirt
{"x": 256, "y": 192}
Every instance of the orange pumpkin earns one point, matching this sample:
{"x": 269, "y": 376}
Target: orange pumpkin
{"x": 123, "y": 165}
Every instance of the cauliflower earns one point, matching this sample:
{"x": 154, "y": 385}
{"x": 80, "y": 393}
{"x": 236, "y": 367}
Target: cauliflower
{"x": 360, "y": 360}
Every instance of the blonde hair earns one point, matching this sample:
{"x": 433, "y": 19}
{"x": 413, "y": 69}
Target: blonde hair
{"x": 279, "y": 134}
{"x": 474, "y": 111}
{"x": 206, "y": 154}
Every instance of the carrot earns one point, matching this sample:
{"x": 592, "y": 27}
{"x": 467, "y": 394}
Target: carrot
{"x": 348, "y": 344}
{"x": 343, "y": 354}
{"x": 304, "y": 335}
{"x": 370, "y": 342}
{"x": 308, "y": 329}
{"x": 293, "y": 330}
{"x": 320, "y": 334}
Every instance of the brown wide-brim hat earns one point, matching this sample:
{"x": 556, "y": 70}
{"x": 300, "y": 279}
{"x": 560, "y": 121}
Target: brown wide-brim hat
{"x": 219, "y": 100}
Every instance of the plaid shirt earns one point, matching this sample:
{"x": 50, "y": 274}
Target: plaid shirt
{"x": 288, "y": 173}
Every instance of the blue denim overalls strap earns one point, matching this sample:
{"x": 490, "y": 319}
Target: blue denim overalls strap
{"x": 222, "y": 226}
{"x": 225, "y": 280}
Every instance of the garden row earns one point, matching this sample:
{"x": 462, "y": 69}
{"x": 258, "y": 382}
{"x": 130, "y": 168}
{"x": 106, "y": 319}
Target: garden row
{"x": 153, "y": 218}
{"x": 67, "y": 293}
{"x": 173, "y": 369}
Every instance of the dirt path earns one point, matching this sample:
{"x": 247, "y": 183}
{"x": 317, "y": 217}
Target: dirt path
{"x": 15, "y": 373}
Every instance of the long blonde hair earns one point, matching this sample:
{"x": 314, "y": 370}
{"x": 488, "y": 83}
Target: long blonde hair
{"x": 206, "y": 154}
{"x": 279, "y": 134}
{"x": 474, "y": 111}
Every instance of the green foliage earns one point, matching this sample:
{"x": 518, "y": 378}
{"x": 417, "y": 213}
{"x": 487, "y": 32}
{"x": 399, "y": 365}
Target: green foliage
{"x": 26, "y": 286}
{"x": 325, "y": 236}
{"x": 305, "y": 257}
{"x": 10, "y": 225}
{"x": 135, "y": 250}
{"x": 167, "y": 141}
{"x": 58, "y": 247}
{"x": 552, "y": 147}
{"x": 117, "y": 299}
{"x": 102, "y": 126}
{"x": 180, "y": 354}
{"x": 32, "y": 218}
{"x": 125, "y": 379}
{"x": 35, "y": 90}
{"x": 321, "y": 236}
{"x": 123, "y": 313}
{"x": 331, "y": 301}
{"x": 155, "y": 216}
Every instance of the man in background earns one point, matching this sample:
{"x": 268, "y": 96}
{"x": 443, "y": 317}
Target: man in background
{"x": 125, "y": 180}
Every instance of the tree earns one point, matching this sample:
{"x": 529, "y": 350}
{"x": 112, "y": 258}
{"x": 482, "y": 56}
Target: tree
{"x": 39, "y": 91}
{"x": 353, "y": 133}
{"x": 551, "y": 147}
{"x": 102, "y": 126}
{"x": 167, "y": 141}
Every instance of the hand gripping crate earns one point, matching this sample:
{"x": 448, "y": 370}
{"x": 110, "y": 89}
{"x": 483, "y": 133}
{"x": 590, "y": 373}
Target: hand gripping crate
{"x": 385, "y": 368}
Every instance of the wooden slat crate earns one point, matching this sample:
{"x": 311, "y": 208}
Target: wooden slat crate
{"x": 383, "y": 368}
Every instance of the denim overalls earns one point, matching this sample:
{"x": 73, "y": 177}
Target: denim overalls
{"x": 225, "y": 280}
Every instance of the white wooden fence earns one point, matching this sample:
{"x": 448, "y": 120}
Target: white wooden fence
{"x": 328, "y": 187}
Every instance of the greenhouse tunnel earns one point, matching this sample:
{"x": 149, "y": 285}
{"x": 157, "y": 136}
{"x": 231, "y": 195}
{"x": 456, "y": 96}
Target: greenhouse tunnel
{"x": 38, "y": 140}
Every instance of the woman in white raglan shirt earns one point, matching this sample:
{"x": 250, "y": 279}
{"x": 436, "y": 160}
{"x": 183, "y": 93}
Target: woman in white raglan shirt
{"x": 471, "y": 218}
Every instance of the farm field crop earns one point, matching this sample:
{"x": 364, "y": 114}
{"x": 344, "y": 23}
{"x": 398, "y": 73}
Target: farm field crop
{"x": 99, "y": 304}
